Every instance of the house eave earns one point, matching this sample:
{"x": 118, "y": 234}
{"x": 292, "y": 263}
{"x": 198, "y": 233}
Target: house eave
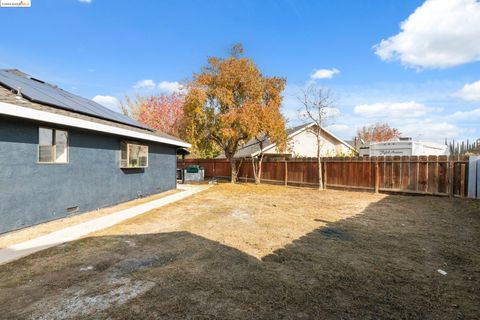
{"x": 12, "y": 110}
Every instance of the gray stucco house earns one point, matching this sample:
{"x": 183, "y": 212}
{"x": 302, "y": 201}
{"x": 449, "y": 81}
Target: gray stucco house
{"x": 61, "y": 154}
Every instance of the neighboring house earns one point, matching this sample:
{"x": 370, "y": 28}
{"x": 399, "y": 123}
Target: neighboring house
{"x": 301, "y": 142}
{"x": 61, "y": 154}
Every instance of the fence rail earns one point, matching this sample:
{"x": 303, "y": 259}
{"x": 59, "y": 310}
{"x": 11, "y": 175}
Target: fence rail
{"x": 433, "y": 175}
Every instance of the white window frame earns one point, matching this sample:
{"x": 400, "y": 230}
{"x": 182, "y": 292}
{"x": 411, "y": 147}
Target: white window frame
{"x": 127, "y": 144}
{"x": 54, "y": 147}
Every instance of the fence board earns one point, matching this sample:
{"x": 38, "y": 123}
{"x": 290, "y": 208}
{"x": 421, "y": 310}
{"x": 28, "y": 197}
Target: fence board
{"x": 478, "y": 178}
{"x": 442, "y": 175}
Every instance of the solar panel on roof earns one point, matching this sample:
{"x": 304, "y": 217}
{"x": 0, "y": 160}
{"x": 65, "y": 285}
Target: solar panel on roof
{"x": 41, "y": 92}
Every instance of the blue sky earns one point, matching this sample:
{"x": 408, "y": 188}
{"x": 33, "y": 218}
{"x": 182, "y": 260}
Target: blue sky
{"x": 424, "y": 78}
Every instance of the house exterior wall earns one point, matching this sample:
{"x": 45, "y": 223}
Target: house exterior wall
{"x": 304, "y": 144}
{"x": 31, "y": 193}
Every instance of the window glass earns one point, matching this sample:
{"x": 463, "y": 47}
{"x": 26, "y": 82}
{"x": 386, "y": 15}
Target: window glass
{"x": 61, "y": 146}
{"x": 45, "y": 137}
{"x": 143, "y": 156}
{"x": 134, "y": 151}
{"x": 124, "y": 155}
{"x": 133, "y": 155}
{"x": 45, "y": 145}
{"x": 52, "y": 146}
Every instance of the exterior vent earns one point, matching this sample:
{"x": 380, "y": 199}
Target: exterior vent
{"x": 73, "y": 209}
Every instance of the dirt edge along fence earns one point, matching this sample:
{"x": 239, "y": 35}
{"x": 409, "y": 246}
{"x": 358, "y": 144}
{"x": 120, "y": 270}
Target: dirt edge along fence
{"x": 431, "y": 175}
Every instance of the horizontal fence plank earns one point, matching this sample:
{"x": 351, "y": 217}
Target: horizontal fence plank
{"x": 427, "y": 175}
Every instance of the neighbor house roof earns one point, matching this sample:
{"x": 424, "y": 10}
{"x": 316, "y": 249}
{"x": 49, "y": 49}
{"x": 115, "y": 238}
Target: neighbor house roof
{"x": 252, "y": 147}
{"x": 14, "y": 103}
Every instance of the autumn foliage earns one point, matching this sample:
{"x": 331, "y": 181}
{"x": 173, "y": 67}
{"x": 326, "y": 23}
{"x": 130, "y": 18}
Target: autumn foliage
{"x": 162, "y": 112}
{"x": 230, "y": 102}
{"x": 378, "y": 132}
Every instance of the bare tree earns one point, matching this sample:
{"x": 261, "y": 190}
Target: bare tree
{"x": 317, "y": 107}
{"x": 131, "y": 105}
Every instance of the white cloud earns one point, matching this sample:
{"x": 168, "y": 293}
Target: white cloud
{"x": 110, "y": 102}
{"x": 430, "y": 130}
{"x": 85, "y": 1}
{"x": 145, "y": 84}
{"x": 470, "y": 91}
{"x": 332, "y": 112}
{"x": 169, "y": 87}
{"x": 473, "y": 115}
{"x": 339, "y": 129}
{"x": 324, "y": 74}
{"x": 439, "y": 34}
{"x": 410, "y": 109}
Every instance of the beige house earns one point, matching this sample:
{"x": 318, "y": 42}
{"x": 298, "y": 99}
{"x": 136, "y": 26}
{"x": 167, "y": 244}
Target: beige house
{"x": 302, "y": 142}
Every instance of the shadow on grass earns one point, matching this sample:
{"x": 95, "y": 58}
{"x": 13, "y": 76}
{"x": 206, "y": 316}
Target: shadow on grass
{"x": 380, "y": 264}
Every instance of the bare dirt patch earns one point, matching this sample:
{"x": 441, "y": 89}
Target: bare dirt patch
{"x": 263, "y": 252}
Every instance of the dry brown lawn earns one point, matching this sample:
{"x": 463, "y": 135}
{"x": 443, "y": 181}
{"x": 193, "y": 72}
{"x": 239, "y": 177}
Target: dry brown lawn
{"x": 263, "y": 252}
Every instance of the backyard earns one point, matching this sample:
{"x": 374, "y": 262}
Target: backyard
{"x": 263, "y": 252}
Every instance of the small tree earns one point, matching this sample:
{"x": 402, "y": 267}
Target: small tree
{"x": 378, "y": 132}
{"x": 223, "y": 101}
{"x": 317, "y": 106}
{"x": 270, "y": 126}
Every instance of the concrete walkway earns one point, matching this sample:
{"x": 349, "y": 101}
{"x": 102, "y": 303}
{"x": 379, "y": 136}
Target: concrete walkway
{"x": 26, "y": 248}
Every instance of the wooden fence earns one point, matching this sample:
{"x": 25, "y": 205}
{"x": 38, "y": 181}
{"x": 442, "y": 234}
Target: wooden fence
{"x": 433, "y": 175}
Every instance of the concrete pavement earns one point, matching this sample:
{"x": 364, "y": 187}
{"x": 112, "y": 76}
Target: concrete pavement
{"x": 26, "y": 248}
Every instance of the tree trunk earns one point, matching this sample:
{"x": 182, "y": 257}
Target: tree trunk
{"x": 319, "y": 159}
{"x": 234, "y": 172}
{"x": 257, "y": 168}
{"x": 235, "y": 169}
{"x": 260, "y": 169}
{"x": 254, "y": 168}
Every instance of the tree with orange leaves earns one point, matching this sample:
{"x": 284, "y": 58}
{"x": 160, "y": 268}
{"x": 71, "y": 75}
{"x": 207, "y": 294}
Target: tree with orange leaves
{"x": 378, "y": 132}
{"x": 229, "y": 102}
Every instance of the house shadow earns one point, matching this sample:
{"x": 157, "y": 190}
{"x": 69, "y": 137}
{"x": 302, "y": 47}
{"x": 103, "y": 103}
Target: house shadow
{"x": 380, "y": 264}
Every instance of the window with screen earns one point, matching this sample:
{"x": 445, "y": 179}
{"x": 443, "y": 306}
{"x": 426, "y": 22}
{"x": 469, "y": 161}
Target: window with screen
{"x": 52, "y": 146}
{"x": 133, "y": 155}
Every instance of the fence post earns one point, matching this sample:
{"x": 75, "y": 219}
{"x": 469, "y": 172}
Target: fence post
{"x": 450, "y": 177}
{"x": 286, "y": 172}
{"x": 377, "y": 176}
{"x": 462, "y": 180}
{"x": 213, "y": 169}
{"x": 325, "y": 174}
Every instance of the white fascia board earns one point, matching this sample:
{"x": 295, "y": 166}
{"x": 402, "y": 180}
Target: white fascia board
{"x": 33, "y": 114}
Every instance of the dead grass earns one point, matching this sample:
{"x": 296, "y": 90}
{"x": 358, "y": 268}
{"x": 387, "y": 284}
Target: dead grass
{"x": 48, "y": 227}
{"x": 263, "y": 252}
{"x": 254, "y": 219}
